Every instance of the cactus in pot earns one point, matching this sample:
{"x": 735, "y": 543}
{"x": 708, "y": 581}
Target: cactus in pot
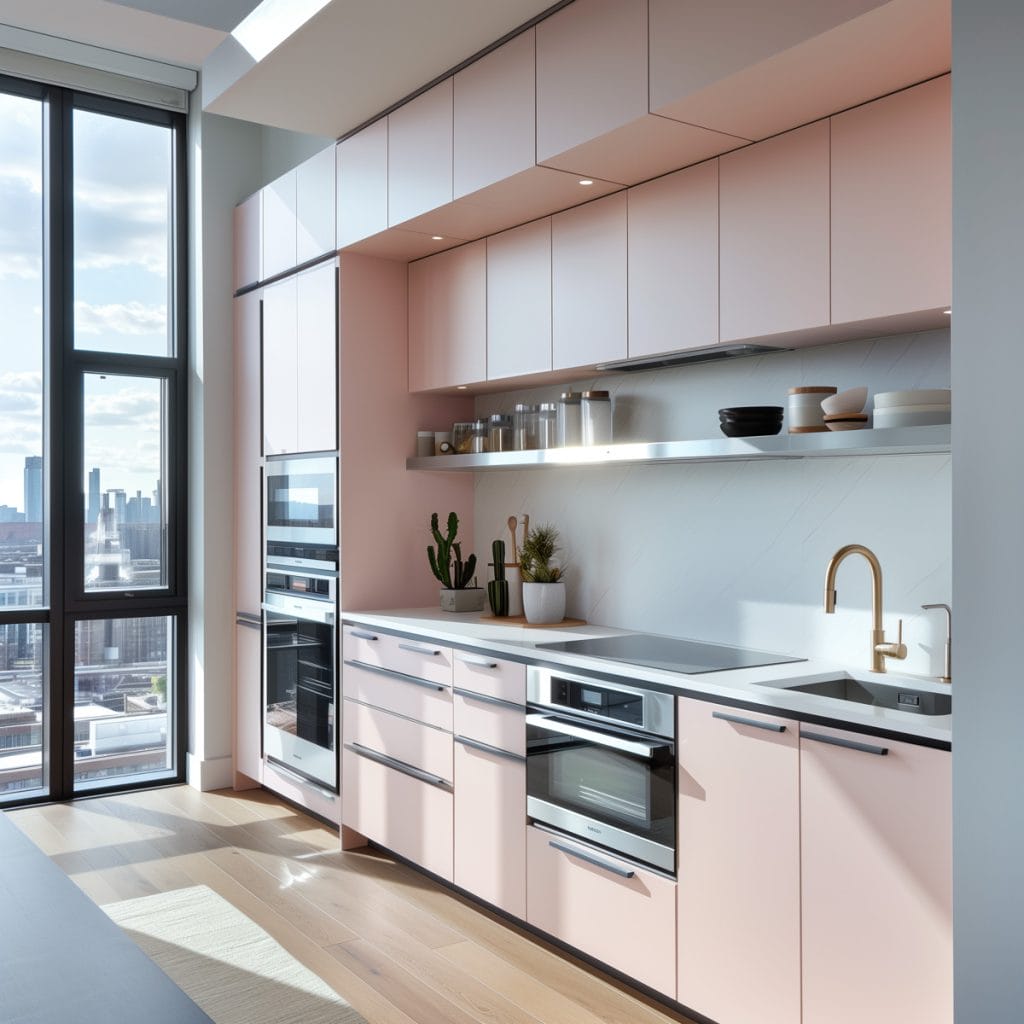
{"x": 453, "y": 573}
{"x": 543, "y": 586}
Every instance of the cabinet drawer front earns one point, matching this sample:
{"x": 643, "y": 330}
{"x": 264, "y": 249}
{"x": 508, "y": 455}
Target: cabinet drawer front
{"x": 421, "y": 658}
{"x": 420, "y": 746}
{"x": 409, "y": 817}
{"x": 497, "y": 725}
{"x": 404, "y": 695}
{"x": 490, "y": 676}
{"x": 490, "y": 828}
{"x": 586, "y": 906}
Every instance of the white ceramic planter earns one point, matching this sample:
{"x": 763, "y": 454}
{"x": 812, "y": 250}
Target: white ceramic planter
{"x": 543, "y": 603}
{"x": 470, "y": 599}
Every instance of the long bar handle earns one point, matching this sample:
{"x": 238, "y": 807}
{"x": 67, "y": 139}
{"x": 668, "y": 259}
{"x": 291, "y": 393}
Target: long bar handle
{"x": 486, "y": 748}
{"x": 838, "y": 741}
{"x": 752, "y": 722}
{"x": 591, "y": 859}
{"x": 475, "y": 659}
{"x": 420, "y": 649}
{"x": 485, "y": 699}
{"x": 392, "y": 674}
{"x": 398, "y": 766}
{"x": 362, "y": 634}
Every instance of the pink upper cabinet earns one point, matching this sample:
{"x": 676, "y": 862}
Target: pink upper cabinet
{"x": 892, "y": 205}
{"x": 362, "y": 169}
{"x": 448, "y": 318}
{"x": 495, "y": 116}
{"x": 774, "y": 235}
{"x": 588, "y": 283}
{"x": 592, "y": 103}
{"x": 316, "y": 358}
{"x": 249, "y": 241}
{"x": 420, "y": 154}
{"x": 673, "y": 261}
{"x": 876, "y": 850}
{"x": 519, "y": 301}
{"x": 739, "y": 864}
{"x": 314, "y": 206}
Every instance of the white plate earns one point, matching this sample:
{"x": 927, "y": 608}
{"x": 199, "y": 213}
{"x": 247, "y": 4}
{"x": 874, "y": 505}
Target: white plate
{"x": 894, "y": 418}
{"x": 923, "y": 396}
{"x": 915, "y": 408}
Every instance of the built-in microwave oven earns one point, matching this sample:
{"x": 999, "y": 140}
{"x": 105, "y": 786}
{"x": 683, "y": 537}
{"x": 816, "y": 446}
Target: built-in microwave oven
{"x": 302, "y": 499}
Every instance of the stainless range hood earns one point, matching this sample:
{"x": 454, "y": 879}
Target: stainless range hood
{"x": 711, "y": 353}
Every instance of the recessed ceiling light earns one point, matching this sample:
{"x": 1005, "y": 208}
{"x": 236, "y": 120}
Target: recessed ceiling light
{"x": 586, "y": 181}
{"x": 947, "y": 312}
{"x": 461, "y": 387}
{"x": 437, "y": 238}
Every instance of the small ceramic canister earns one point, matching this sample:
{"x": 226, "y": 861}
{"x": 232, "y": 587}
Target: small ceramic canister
{"x": 804, "y": 413}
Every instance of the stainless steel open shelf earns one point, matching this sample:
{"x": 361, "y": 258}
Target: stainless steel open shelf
{"x": 892, "y": 441}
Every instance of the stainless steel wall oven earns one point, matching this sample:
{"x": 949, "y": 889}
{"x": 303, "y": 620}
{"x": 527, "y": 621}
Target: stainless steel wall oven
{"x": 601, "y": 763}
{"x": 302, "y": 499}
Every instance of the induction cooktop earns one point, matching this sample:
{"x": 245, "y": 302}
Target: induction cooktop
{"x": 670, "y": 653}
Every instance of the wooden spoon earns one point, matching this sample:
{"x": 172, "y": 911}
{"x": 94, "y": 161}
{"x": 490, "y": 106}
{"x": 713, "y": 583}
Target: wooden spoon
{"x": 513, "y": 523}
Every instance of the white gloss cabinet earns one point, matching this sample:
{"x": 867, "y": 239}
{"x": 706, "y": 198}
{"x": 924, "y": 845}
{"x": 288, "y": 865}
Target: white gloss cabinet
{"x": 672, "y": 253}
{"x": 519, "y": 301}
{"x": 739, "y": 864}
{"x": 248, "y": 226}
{"x": 876, "y": 838}
{"x": 280, "y": 200}
{"x": 280, "y": 367}
{"x": 362, "y": 184}
{"x": 314, "y": 206}
{"x": 317, "y": 358}
{"x": 588, "y": 283}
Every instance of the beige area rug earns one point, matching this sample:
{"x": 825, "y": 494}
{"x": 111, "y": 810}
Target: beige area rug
{"x": 227, "y": 964}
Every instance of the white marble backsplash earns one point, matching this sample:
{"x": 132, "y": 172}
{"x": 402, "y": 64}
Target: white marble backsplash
{"x": 736, "y": 552}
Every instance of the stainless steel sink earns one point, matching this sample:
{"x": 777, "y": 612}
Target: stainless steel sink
{"x": 881, "y": 695}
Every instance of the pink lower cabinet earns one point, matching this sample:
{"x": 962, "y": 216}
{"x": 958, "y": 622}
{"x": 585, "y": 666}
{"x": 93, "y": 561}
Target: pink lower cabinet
{"x": 876, "y": 836}
{"x": 605, "y": 907}
{"x": 739, "y": 864}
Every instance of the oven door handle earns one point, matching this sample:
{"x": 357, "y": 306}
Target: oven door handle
{"x": 302, "y": 610}
{"x": 602, "y": 739}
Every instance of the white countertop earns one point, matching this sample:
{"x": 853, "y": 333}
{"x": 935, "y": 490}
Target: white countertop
{"x": 473, "y": 630}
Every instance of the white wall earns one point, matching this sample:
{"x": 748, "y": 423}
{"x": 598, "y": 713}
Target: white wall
{"x": 988, "y": 509}
{"x": 736, "y": 552}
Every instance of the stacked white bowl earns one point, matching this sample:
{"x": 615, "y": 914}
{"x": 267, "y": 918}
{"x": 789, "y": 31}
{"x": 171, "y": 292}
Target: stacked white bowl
{"x": 924, "y": 407}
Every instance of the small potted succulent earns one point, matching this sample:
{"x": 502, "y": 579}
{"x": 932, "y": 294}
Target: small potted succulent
{"x": 543, "y": 587}
{"x": 447, "y": 565}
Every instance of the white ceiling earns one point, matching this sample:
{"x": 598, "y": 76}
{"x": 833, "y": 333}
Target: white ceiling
{"x": 345, "y": 65}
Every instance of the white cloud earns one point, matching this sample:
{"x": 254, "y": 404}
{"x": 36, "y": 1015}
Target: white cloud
{"x": 131, "y": 318}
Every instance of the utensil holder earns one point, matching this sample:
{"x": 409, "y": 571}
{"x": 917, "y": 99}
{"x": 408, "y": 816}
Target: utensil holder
{"x": 515, "y": 588}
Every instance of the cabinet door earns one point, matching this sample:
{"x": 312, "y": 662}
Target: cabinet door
{"x": 420, "y": 154}
{"x": 279, "y": 235}
{"x": 611, "y": 910}
{"x": 519, "y": 301}
{"x": 673, "y": 261}
{"x": 495, "y": 116}
{"x": 314, "y": 206}
{"x": 248, "y": 727}
{"x": 317, "y": 359}
{"x": 588, "y": 283}
{"x": 739, "y": 864}
{"x": 249, "y": 241}
{"x": 892, "y": 205}
{"x": 591, "y": 72}
{"x": 362, "y": 167}
{"x": 774, "y": 217}
{"x": 448, "y": 318}
{"x": 490, "y": 825}
{"x": 876, "y": 838}
{"x": 248, "y": 450}
{"x": 280, "y": 368}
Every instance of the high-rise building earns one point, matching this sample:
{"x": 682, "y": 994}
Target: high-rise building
{"x": 34, "y": 488}
{"x": 93, "y": 509}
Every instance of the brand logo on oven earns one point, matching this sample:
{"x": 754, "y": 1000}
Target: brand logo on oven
{"x": 595, "y": 830}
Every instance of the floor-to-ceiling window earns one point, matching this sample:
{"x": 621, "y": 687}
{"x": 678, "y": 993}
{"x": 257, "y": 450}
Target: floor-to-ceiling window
{"x": 92, "y": 443}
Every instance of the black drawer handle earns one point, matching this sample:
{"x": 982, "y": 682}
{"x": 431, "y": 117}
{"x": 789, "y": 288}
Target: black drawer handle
{"x": 752, "y": 722}
{"x": 419, "y": 649}
{"x": 596, "y": 861}
{"x": 363, "y": 635}
{"x": 396, "y": 765}
{"x": 399, "y": 676}
{"x": 486, "y": 699}
{"x": 486, "y": 748}
{"x": 837, "y": 741}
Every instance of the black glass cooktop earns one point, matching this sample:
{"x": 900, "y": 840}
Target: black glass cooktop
{"x": 668, "y": 653}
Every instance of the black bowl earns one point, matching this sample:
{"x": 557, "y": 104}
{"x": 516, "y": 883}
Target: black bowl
{"x": 750, "y": 428}
{"x": 769, "y": 412}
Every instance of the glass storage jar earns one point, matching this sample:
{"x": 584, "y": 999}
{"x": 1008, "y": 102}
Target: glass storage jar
{"x": 461, "y": 437}
{"x": 499, "y": 433}
{"x": 569, "y": 428}
{"x": 547, "y": 422}
{"x": 596, "y": 417}
{"x": 478, "y": 437}
{"x": 525, "y": 420}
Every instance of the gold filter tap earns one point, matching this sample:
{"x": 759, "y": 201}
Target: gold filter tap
{"x": 947, "y": 676}
{"x": 880, "y": 648}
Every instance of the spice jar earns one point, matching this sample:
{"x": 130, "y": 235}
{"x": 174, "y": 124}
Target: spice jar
{"x": 547, "y": 423}
{"x": 461, "y": 437}
{"x": 569, "y": 430}
{"x": 524, "y": 428}
{"x": 596, "y": 417}
{"x": 499, "y": 433}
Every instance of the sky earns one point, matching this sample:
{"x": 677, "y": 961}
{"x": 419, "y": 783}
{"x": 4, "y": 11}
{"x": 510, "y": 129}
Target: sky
{"x": 121, "y": 183}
